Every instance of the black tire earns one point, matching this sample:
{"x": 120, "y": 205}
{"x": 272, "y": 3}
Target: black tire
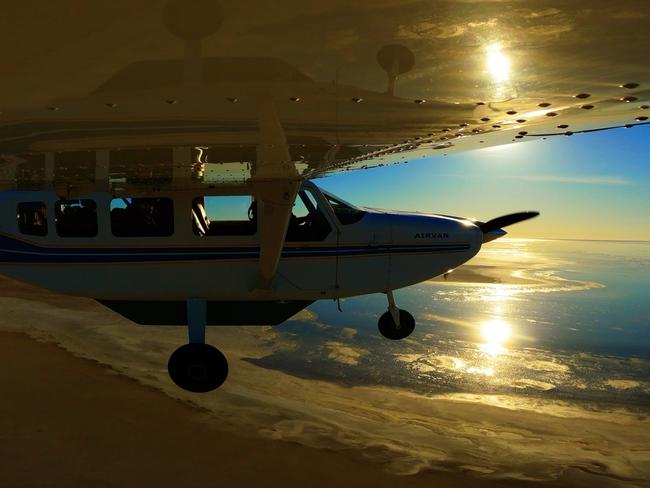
{"x": 389, "y": 329}
{"x": 198, "y": 368}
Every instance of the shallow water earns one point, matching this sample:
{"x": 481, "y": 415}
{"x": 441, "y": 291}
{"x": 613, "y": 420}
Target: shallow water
{"x": 537, "y": 366}
{"x": 564, "y": 319}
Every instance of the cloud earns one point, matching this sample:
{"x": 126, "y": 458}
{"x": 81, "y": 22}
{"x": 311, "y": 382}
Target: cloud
{"x": 548, "y": 366}
{"x": 534, "y": 384}
{"x": 305, "y": 315}
{"x": 581, "y": 180}
{"x": 623, "y": 384}
{"x": 348, "y": 332}
{"x": 344, "y": 354}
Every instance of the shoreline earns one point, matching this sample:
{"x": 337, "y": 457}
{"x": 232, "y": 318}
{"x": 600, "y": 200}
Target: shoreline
{"x": 471, "y": 274}
{"x": 105, "y": 381}
{"x": 100, "y": 427}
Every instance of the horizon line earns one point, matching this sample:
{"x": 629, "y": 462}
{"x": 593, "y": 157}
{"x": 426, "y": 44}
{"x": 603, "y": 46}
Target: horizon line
{"x": 582, "y": 239}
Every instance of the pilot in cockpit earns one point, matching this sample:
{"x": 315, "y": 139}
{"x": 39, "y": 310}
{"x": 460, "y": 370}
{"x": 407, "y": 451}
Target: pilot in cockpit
{"x": 38, "y": 218}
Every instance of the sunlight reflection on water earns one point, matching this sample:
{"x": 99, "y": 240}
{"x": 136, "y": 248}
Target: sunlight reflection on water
{"x": 538, "y": 318}
{"x": 545, "y": 282}
{"x": 495, "y": 332}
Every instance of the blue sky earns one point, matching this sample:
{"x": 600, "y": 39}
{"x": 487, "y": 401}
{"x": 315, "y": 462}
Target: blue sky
{"x": 587, "y": 186}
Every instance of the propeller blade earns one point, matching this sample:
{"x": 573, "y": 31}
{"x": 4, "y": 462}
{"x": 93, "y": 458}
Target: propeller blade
{"x": 505, "y": 220}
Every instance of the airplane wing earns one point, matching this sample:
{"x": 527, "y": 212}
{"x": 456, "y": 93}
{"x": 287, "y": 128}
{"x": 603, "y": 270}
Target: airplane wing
{"x": 152, "y": 94}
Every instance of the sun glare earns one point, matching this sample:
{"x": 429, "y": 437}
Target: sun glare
{"x": 495, "y": 333}
{"x": 498, "y": 64}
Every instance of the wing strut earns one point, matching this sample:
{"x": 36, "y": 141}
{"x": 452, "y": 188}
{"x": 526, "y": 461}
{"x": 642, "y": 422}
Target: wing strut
{"x": 276, "y": 183}
{"x": 276, "y": 201}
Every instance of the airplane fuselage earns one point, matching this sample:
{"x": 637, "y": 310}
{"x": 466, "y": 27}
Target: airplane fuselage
{"x": 377, "y": 252}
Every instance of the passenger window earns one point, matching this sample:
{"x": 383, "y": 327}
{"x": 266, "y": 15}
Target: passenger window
{"x": 231, "y": 215}
{"x": 142, "y": 217}
{"x": 32, "y": 218}
{"x": 307, "y": 223}
{"x": 76, "y": 218}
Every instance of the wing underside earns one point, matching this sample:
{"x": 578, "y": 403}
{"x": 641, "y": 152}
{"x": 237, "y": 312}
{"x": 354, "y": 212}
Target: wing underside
{"x": 206, "y": 93}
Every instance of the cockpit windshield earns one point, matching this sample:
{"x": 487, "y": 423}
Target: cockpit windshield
{"x": 307, "y": 221}
{"x": 346, "y": 213}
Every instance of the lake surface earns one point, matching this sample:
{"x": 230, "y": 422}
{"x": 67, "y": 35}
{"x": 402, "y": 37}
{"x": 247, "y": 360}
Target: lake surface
{"x": 558, "y": 319}
{"x": 531, "y": 362}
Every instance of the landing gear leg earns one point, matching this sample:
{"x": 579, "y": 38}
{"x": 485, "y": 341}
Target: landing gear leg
{"x": 197, "y": 367}
{"x": 395, "y": 324}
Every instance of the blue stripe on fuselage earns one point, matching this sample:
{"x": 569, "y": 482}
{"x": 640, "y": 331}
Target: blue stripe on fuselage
{"x": 17, "y": 251}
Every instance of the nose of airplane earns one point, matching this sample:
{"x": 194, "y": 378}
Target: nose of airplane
{"x": 435, "y": 229}
{"x": 426, "y": 246}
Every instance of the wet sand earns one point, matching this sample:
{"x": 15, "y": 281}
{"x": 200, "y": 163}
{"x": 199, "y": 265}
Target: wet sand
{"x": 73, "y": 415}
{"x": 67, "y": 421}
{"x": 470, "y": 273}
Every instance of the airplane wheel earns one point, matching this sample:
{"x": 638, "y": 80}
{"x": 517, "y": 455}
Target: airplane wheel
{"x": 390, "y": 330}
{"x": 197, "y": 367}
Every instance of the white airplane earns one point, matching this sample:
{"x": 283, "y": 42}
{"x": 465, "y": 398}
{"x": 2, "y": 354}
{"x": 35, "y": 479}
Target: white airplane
{"x": 178, "y": 191}
{"x": 158, "y": 259}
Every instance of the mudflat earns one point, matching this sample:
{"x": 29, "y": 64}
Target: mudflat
{"x": 67, "y": 421}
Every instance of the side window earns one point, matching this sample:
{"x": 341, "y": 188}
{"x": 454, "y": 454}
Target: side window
{"x": 76, "y": 218}
{"x": 231, "y": 215}
{"x": 299, "y": 209}
{"x": 32, "y": 218}
{"x": 307, "y": 223}
{"x": 142, "y": 217}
